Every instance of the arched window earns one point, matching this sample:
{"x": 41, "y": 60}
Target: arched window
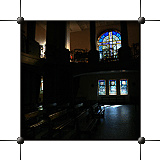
{"x": 102, "y": 87}
{"x": 108, "y": 44}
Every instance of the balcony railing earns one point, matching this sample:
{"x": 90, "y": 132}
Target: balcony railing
{"x": 107, "y": 57}
{"x": 80, "y": 55}
{"x": 30, "y": 46}
{"x": 135, "y": 49}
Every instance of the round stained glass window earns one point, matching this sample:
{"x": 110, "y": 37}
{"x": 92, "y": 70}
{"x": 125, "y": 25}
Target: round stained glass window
{"x": 108, "y": 44}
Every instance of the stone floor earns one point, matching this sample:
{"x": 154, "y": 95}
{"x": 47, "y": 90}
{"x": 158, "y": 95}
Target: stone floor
{"x": 121, "y": 122}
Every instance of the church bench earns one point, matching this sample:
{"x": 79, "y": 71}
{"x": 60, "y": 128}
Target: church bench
{"x": 35, "y": 114}
{"x": 94, "y": 109}
{"x": 78, "y": 109}
{"x": 75, "y": 109}
{"x": 100, "y": 113}
{"x": 57, "y": 121}
{"x": 97, "y": 111}
{"x": 34, "y": 121}
{"x": 62, "y": 106}
{"x": 54, "y": 107}
{"x": 84, "y": 124}
{"x": 66, "y": 130}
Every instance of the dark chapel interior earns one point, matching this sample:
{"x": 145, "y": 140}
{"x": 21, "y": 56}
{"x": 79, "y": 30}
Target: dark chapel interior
{"x": 80, "y": 80}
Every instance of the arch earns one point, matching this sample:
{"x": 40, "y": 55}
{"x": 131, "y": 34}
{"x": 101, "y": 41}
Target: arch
{"x": 108, "y": 44}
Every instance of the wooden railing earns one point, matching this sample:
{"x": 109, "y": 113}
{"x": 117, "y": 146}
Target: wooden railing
{"x": 80, "y": 55}
{"x": 135, "y": 49}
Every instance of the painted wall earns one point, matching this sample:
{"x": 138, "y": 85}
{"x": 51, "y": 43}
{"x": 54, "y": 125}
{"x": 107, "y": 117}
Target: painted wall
{"x": 40, "y": 35}
{"x": 81, "y": 39}
{"x": 88, "y": 85}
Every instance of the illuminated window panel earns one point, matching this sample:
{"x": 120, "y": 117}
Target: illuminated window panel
{"x": 101, "y": 87}
{"x": 42, "y": 51}
{"x": 123, "y": 87}
{"x": 112, "y": 87}
{"x": 41, "y": 87}
{"x": 107, "y": 39}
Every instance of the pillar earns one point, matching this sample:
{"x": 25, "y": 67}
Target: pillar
{"x": 92, "y": 35}
{"x": 31, "y": 27}
{"x": 33, "y": 47}
{"x": 49, "y": 85}
{"x": 57, "y": 77}
{"x": 67, "y": 37}
{"x": 55, "y": 37}
{"x": 125, "y": 51}
{"x": 124, "y": 34}
{"x": 51, "y": 39}
{"x": 56, "y": 41}
{"x": 93, "y": 53}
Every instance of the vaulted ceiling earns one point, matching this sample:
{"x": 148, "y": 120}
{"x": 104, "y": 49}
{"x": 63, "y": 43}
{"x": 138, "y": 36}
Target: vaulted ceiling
{"x": 76, "y": 26}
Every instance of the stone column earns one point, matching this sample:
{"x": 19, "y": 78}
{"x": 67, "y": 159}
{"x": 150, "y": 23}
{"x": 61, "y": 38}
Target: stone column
{"x": 124, "y": 51}
{"x": 92, "y": 35}
{"x": 64, "y": 54}
{"x": 31, "y": 27}
{"x": 49, "y": 85}
{"x": 67, "y": 37}
{"x": 56, "y": 79}
{"x": 93, "y": 53}
{"x": 55, "y": 41}
{"x": 51, "y": 39}
{"x": 124, "y": 34}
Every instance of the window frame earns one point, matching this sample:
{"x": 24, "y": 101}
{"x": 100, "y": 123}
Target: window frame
{"x": 105, "y": 87}
{"x": 120, "y": 87}
{"x": 107, "y": 53}
{"x": 109, "y": 88}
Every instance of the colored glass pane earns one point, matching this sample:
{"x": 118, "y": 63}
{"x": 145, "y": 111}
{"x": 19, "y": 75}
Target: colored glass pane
{"x": 112, "y": 37}
{"x": 112, "y": 87}
{"x": 124, "y": 87}
{"x": 101, "y": 87}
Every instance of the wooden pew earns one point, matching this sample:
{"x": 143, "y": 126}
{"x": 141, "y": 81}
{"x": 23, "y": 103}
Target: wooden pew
{"x": 66, "y": 130}
{"x": 85, "y": 124}
{"x": 78, "y": 108}
{"x": 59, "y": 123}
{"x": 34, "y": 122}
{"x": 75, "y": 109}
{"x": 101, "y": 112}
{"x": 97, "y": 111}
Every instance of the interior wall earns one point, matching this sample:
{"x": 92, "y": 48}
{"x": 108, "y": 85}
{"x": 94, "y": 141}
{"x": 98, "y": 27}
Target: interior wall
{"x": 88, "y": 85}
{"x": 81, "y": 39}
{"x": 100, "y": 30}
{"x": 133, "y": 32}
{"x": 30, "y": 85}
{"x": 24, "y": 28}
{"x": 40, "y": 34}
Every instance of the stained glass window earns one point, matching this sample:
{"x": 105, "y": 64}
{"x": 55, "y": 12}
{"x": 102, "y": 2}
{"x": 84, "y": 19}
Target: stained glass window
{"x": 102, "y": 87}
{"x": 123, "y": 87}
{"x": 112, "y": 87}
{"x": 41, "y": 87}
{"x": 108, "y": 44}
